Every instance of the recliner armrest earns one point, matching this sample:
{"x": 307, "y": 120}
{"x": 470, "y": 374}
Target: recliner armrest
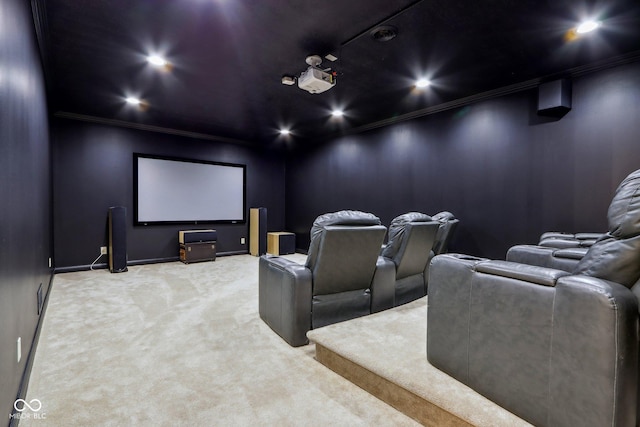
{"x": 284, "y": 298}
{"x": 383, "y": 285}
{"x": 571, "y": 253}
{"x": 528, "y": 273}
{"x": 283, "y": 263}
{"x": 595, "y": 347}
{"x": 543, "y": 256}
{"x": 560, "y": 243}
{"x": 588, "y": 236}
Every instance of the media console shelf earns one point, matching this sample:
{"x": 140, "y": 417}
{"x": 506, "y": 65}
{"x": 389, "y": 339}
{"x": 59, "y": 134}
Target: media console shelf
{"x": 197, "y": 245}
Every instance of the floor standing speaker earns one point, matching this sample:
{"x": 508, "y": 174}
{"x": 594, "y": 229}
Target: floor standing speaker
{"x": 258, "y": 231}
{"x": 117, "y": 239}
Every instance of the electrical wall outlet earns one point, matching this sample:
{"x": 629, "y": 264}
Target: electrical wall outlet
{"x": 103, "y": 250}
{"x": 19, "y": 349}
{"x": 242, "y": 240}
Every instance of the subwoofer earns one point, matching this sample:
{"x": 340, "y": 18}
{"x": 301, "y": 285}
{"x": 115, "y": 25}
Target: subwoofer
{"x": 117, "y": 239}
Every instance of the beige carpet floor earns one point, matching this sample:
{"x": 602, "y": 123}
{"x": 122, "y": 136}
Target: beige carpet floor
{"x": 181, "y": 345}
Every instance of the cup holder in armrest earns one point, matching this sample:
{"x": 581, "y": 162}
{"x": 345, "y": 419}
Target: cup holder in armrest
{"x": 468, "y": 257}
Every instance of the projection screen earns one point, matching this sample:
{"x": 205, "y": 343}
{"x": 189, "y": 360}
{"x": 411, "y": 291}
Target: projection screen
{"x": 170, "y": 190}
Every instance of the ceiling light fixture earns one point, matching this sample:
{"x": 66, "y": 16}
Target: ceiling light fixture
{"x": 422, "y": 83}
{"x": 337, "y": 113}
{"x": 587, "y": 27}
{"x": 132, "y": 100}
{"x": 156, "y": 60}
{"x": 285, "y": 131}
{"x": 137, "y": 102}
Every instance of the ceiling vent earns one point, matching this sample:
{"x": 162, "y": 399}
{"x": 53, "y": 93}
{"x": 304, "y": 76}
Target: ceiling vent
{"x": 384, "y": 33}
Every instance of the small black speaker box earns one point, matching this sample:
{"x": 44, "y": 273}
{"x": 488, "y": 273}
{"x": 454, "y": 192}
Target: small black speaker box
{"x": 195, "y": 236}
{"x": 117, "y": 239}
{"x": 554, "y": 98}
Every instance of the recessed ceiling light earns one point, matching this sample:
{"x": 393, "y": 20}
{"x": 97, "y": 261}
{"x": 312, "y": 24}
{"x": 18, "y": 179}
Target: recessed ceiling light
{"x": 132, "y": 100}
{"x": 587, "y": 26}
{"x": 422, "y": 83}
{"x": 337, "y": 113}
{"x": 156, "y": 60}
{"x": 285, "y": 131}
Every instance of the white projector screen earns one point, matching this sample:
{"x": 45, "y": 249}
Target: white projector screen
{"x": 183, "y": 191}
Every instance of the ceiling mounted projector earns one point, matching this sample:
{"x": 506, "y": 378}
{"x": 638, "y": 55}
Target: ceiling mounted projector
{"x": 315, "y": 80}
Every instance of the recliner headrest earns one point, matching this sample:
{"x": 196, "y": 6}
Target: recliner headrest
{"x": 345, "y": 217}
{"x": 410, "y": 217}
{"x": 396, "y": 230}
{"x": 624, "y": 210}
{"x": 615, "y": 255}
{"x": 443, "y": 216}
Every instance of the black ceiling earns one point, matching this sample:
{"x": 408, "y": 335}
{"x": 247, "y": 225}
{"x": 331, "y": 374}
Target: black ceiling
{"x": 228, "y": 58}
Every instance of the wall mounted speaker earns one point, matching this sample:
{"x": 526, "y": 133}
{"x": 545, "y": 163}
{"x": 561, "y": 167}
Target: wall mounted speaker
{"x": 258, "y": 231}
{"x": 117, "y": 239}
{"x": 554, "y": 98}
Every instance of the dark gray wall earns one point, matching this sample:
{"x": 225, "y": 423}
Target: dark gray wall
{"x": 25, "y": 194}
{"x": 506, "y": 173}
{"x": 93, "y": 170}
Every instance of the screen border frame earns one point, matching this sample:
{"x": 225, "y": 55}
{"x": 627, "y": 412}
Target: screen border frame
{"x": 136, "y": 220}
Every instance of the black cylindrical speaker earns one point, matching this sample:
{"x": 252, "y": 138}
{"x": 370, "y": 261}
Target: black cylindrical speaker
{"x": 117, "y": 239}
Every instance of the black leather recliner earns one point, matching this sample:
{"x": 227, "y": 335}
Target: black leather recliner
{"x": 344, "y": 277}
{"x": 557, "y": 348}
{"x": 410, "y": 244}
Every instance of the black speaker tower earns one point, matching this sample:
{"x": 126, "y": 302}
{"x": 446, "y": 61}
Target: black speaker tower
{"x": 117, "y": 239}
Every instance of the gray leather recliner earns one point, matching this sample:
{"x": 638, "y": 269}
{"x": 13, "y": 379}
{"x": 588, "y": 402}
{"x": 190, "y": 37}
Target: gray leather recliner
{"x": 560, "y": 240}
{"x": 557, "y": 348}
{"x": 448, "y": 224}
{"x": 555, "y": 250}
{"x": 410, "y": 244}
{"x": 344, "y": 277}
